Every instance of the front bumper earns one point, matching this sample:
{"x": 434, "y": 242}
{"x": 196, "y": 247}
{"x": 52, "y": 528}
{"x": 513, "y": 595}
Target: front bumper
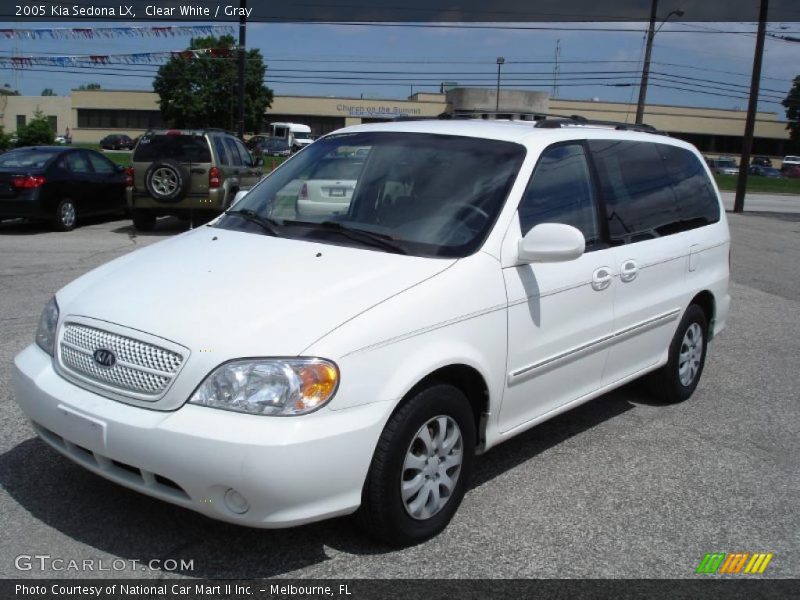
{"x": 290, "y": 470}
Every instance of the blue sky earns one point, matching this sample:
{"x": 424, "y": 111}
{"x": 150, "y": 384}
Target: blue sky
{"x": 720, "y": 62}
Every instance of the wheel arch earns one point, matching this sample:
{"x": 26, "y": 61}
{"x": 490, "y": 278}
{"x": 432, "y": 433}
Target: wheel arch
{"x": 470, "y": 382}
{"x": 706, "y": 301}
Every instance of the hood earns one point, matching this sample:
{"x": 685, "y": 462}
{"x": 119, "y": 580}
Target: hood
{"x": 241, "y": 294}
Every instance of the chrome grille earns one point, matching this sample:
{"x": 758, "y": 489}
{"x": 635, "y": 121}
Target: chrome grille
{"x": 140, "y": 368}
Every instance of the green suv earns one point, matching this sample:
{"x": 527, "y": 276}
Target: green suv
{"x": 188, "y": 173}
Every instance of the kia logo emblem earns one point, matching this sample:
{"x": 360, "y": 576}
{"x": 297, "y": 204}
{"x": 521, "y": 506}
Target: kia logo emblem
{"x": 104, "y": 358}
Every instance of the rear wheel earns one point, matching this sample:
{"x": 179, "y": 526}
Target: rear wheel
{"x": 677, "y": 380}
{"x": 420, "y": 468}
{"x": 143, "y": 220}
{"x": 66, "y": 215}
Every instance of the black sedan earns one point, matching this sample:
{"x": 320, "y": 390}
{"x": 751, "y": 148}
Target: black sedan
{"x": 60, "y": 185}
{"x": 117, "y": 142}
{"x": 272, "y": 147}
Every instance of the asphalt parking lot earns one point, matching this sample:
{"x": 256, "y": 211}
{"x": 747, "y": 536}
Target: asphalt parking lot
{"x": 619, "y": 487}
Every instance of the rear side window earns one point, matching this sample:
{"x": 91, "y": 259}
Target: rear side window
{"x": 694, "y": 193}
{"x": 101, "y": 164}
{"x": 233, "y": 152}
{"x": 637, "y": 190}
{"x": 222, "y": 152}
{"x": 183, "y": 148}
{"x": 561, "y": 191}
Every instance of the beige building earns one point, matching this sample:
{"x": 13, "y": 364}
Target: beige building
{"x": 91, "y": 115}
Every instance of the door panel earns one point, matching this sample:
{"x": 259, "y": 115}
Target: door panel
{"x": 560, "y": 315}
{"x": 78, "y": 186}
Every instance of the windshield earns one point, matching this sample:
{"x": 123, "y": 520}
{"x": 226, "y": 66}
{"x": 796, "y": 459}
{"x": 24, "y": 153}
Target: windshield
{"x": 726, "y": 163}
{"x": 302, "y": 135}
{"x": 422, "y": 194}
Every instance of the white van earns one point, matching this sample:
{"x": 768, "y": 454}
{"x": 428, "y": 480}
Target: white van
{"x": 270, "y": 371}
{"x": 298, "y": 136}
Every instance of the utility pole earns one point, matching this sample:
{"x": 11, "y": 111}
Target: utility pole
{"x": 750, "y": 124}
{"x": 242, "y": 35}
{"x": 556, "y": 69}
{"x": 651, "y": 34}
{"x": 500, "y": 62}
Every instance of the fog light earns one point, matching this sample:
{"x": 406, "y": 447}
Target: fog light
{"x": 236, "y": 502}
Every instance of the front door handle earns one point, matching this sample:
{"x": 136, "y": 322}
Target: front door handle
{"x": 628, "y": 271}
{"x": 601, "y": 279}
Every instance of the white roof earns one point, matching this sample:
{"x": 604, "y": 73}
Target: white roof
{"x": 522, "y": 132}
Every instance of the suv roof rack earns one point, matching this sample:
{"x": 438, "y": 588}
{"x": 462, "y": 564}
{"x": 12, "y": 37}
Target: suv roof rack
{"x": 558, "y": 121}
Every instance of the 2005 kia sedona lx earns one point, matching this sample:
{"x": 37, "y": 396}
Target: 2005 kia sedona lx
{"x": 466, "y": 281}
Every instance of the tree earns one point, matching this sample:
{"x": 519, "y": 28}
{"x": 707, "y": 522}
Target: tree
{"x": 201, "y": 91}
{"x": 792, "y": 104}
{"x": 48, "y": 92}
{"x": 36, "y": 132}
{"x": 5, "y": 140}
{"x": 89, "y": 86}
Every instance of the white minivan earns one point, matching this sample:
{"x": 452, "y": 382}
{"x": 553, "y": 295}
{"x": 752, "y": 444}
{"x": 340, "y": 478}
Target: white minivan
{"x": 270, "y": 370}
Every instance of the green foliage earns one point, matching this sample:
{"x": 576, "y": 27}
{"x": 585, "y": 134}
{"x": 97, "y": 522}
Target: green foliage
{"x": 792, "y": 104}
{"x": 89, "y": 86}
{"x": 5, "y": 140}
{"x": 202, "y": 92}
{"x": 48, "y": 92}
{"x": 37, "y": 132}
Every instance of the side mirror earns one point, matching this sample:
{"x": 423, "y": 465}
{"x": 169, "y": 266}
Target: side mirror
{"x": 551, "y": 242}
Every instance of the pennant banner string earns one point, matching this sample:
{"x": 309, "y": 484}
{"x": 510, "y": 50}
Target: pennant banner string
{"x": 59, "y": 33}
{"x": 139, "y": 58}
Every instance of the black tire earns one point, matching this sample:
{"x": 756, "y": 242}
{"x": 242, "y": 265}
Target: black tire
{"x": 666, "y": 384}
{"x": 383, "y": 514}
{"x": 167, "y": 181}
{"x": 66, "y": 215}
{"x": 143, "y": 220}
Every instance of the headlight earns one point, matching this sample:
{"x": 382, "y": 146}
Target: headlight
{"x": 268, "y": 386}
{"x": 46, "y": 332}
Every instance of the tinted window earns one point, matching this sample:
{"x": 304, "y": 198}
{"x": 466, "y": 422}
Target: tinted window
{"x": 560, "y": 191}
{"x": 233, "y": 152}
{"x": 77, "y": 163}
{"x": 183, "y": 148}
{"x": 26, "y": 158}
{"x": 695, "y": 196}
{"x": 636, "y": 188}
{"x": 247, "y": 159}
{"x": 222, "y": 153}
{"x": 101, "y": 164}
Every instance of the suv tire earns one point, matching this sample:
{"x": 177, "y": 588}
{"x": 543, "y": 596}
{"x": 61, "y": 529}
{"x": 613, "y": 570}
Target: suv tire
{"x": 166, "y": 180}
{"x": 430, "y": 438}
{"x": 143, "y": 220}
{"x": 677, "y": 380}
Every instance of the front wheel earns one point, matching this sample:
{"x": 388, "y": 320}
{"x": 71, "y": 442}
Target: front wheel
{"x": 421, "y": 467}
{"x": 677, "y": 380}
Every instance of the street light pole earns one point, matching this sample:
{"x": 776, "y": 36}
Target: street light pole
{"x": 651, "y": 34}
{"x": 500, "y": 62}
{"x": 242, "y": 34}
{"x": 750, "y": 124}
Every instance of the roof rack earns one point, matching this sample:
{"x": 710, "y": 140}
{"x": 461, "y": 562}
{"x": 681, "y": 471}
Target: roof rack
{"x": 557, "y": 121}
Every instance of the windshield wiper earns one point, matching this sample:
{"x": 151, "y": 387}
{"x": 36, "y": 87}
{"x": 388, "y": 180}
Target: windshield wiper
{"x": 267, "y": 224}
{"x": 358, "y": 235}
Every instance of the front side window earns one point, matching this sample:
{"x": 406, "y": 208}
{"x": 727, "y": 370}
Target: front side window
{"x": 411, "y": 193}
{"x": 636, "y": 188}
{"x": 561, "y": 191}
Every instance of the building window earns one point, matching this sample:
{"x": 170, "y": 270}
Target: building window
{"x": 20, "y": 121}
{"x": 52, "y": 120}
{"x": 96, "y": 118}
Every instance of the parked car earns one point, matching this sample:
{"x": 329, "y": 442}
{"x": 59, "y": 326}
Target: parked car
{"x": 117, "y": 141}
{"x": 188, "y": 174}
{"x": 789, "y": 162}
{"x": 792, "y": 172}
{"x": 59, "y": 185}
{"x": 724, "y": 166}
{"x": 329, "y": 187}
{"x": 761, "y": 161}
{"x": 271, "y": 371}
{"x": 271, "y": 147}
{"x": 765, "y": 172}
